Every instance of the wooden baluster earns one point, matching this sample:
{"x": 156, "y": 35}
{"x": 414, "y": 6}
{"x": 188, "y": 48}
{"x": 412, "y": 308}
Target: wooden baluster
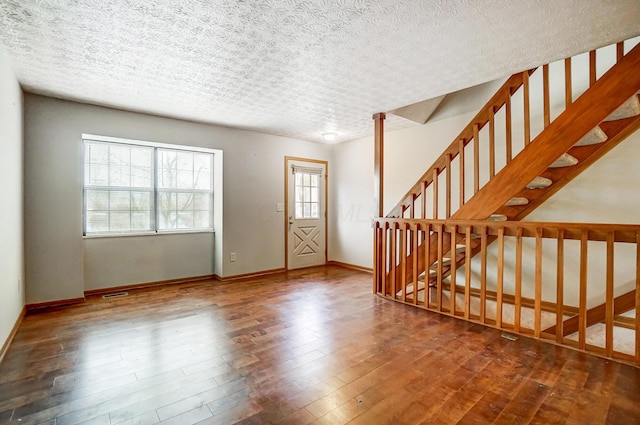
{"x": 424, "y": 199}
{"x": 619, "y": 51}
{"x": 508, "y": 135}
{"x": 383, "y": 260}
{"x": 393, "y": 265}
{"x": 568, "y": 91}
{"x": 500, "y": 277}
{"x": 412, "y": 207}
{"x": 448, "y": 184}
{"x": 582, "y": 320}
{"x": 476, "y": 159}
{"x": 435, "y": 193}
{"x": 467, "y": 273}
{"x": 427, "y": 265}
{"x": 538, "y": 290}
{"x": 518, "y": 296}
{"x": 414, "y": 250}
{"x": 560, "y": 288}
{"x": 452, "y": 271}
{"x": 592, "y": 68}
{"x": 461, "y": 156}
{"x": 492, "y": 144}
{"x": 403, "y": 261}
{"x": 483, "y": 273}
{"x": 545, "y": 89}
{"x": 609, "y": 291}
{"x": 439, "y": 268}
{"x": 527, "y": 106}
{"x": 638, "y": 298}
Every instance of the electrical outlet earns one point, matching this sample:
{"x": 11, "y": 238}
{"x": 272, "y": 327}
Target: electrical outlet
{"x": 232, "y": 257}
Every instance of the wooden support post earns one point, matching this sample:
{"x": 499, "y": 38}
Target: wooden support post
{"x": 378, "y": 165}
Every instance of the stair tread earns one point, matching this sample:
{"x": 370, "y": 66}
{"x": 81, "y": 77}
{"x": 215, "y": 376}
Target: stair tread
{"x": 497, "y": 217}
{"x": 565, "y": 160}
{"x": 539, "y": 183}
{"x": 595, "y": 136}
{"x": 516, "y": 201}
{"x": 628, "y": 109}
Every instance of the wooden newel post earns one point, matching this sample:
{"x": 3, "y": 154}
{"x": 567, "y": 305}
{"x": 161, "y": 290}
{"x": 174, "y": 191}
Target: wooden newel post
{"x": 378, "y": 164}
{"x": 378, "y": 204}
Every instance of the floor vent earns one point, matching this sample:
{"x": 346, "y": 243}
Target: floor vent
{"x": 115, "y": 295}
{"x": 510, "y": 337}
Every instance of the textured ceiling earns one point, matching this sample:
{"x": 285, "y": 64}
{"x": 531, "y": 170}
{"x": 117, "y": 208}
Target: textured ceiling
{"x": 296, "y": 68}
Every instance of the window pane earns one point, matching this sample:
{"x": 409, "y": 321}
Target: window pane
{"x": 314, "y": 211}
{"x": 306, "y": 179}
{"x": 201, "y": 202}
{"x": 307, "y": 194}
{"x": 185, "y": 201}
{"x": 97, "y": 153}
{"x": 185, "y": 220}
{"x": 314, "y": 180}
{"x": 141, "y": 221}
{"x": 298, "y": 179}
{"x": 97, "y": 175}
{"x": 119, "y": 176}
{"x": 201, "y": 220}
{"x": 119, "y": 221}
{"x": 202, "y": 179}
{"x": 185, "y": 179}
{"x": 97, "y": 221}
{"x": 314, "y": 194}
{"x": 97, "y": 200}
{"x": 141, "y": 201}
{"x": 141, "y": 176}
{"x": 119, "y": 155}
{"x": 298, "y": 210}
{"x": 307, "y": 210}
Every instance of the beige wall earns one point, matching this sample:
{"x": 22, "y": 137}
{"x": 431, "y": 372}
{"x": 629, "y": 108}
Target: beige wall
{"x": 11, "y": 188}
{"x": 61, "y": 264}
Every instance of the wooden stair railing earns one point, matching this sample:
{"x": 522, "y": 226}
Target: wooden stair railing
{"x": 582, "y": 116}
{"x": 497, "y": 298}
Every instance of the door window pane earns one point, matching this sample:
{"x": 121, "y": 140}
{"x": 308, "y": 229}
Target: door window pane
{"x": 307, "y": 202}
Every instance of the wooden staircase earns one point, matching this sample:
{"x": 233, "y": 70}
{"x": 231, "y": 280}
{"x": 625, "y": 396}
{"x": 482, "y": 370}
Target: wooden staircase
{"x": 567, "y": 146}
{"x": 418, "y": 268}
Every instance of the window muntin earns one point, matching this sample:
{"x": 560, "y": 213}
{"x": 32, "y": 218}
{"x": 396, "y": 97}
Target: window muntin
{"x": 133, "y": 189}
{"x": 307, "y": 202}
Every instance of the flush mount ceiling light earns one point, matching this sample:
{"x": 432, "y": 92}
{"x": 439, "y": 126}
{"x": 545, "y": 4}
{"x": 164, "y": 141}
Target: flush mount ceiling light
{"x": 329, "y": 137}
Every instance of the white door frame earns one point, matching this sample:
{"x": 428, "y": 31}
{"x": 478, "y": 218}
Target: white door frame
{"x": 287, "y": 176}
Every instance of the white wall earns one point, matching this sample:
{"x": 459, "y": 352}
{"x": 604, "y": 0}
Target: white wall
{"x": 11, "y": 188}
{"x": 407, "y": 154}
{"x": 60, "y": 264}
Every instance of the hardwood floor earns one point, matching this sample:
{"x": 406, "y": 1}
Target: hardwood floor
{"x": 311, "y": 346}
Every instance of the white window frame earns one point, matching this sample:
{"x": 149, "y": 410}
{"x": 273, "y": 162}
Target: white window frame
{"x": 155, "y": 189}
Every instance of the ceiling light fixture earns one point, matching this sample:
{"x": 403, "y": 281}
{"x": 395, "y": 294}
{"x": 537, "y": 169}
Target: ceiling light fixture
{"x": 329, "y": 137}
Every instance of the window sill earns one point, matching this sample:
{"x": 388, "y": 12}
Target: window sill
{"x": 145, "y": 234}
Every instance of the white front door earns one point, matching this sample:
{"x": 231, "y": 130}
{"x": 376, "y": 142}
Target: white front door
{"x": 306, "y": 213}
